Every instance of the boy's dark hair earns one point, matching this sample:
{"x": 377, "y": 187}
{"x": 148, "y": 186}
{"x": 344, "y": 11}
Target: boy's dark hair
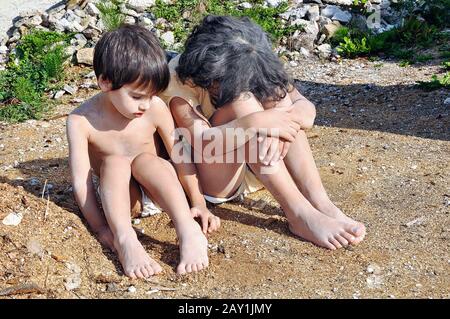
{"x": 233, "y": 55}
{"x": 131, "y": 53}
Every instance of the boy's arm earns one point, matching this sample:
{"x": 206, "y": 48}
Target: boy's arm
{"x": 186, "y": 170}
{"x": 80, "y": 170}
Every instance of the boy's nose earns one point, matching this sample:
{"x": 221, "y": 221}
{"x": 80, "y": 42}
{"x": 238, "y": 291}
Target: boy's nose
{"x": 144, "y": 106}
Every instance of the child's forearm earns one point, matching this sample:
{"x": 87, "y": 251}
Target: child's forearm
{"x": 87, "y": 202}
{"x": 187, "y": 174}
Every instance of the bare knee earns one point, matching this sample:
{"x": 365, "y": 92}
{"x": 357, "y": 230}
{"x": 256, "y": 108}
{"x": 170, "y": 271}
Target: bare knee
{"x": 149, "y": 162}
{"x": 116, "y": 163}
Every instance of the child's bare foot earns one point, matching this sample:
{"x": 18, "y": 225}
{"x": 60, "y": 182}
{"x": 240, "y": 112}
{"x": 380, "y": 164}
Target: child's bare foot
{"x": 321, "y": 229}
{"x": 106, "y": 237}
{"x": 328, "y": 208}
{"x": 193, "y": 249}
{"x": 135, "y": 261}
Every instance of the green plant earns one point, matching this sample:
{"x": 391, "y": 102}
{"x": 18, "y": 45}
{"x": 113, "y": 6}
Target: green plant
{"x": 446, "y": 65}
{"x": 110, "y": 13}
{"x": 36, "y": 67}
{"x": 436, "y": 82}
{"x": 354, "y": 47}
{"x": 193, "y": 11}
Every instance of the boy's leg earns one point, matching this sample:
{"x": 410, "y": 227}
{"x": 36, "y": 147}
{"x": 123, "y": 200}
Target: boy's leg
{"x": 301, "y": 166}
{"x": 160, "y": 182}
{"x": 115, "y": 173}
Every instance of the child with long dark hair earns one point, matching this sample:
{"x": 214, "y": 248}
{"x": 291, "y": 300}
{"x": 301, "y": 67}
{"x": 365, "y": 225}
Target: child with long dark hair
{"x": 228, "y": 78}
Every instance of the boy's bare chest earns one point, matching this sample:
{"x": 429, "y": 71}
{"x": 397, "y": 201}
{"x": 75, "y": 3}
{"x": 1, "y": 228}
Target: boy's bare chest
{"x": 128, "y": 142}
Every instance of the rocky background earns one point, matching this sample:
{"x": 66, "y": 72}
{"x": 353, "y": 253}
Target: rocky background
{"x": 320, "y": 19}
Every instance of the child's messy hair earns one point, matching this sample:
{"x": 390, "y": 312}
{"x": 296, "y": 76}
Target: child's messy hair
{"x": 229, "y": 56}
{"x": 131, "y": 53}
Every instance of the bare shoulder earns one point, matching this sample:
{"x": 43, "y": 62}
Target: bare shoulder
{"x": 78, "y": 119}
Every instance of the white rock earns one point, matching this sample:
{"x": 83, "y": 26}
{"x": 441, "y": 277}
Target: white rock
{"x": 13, "y": 219}
{"x": 72, "y": 282}
{"x": 92, "y": 9}
{"x": 373, "y": 268}
{"x": 69, "y": 89}
{"x": 3, "y": 49}
{"x": 273, "y": 3}
{"x": 85, "y": 56}
{"x": 168, "y": 37}
{"x": 374, "y": 281}
{"x": 335, "y": 13}
{"x": 245, "y": 5}
{"x": 58, "y": 94}
{"x": 140, "y": 5}
{"x": 132, "y": 289}
{"x": 447, "y": 101}
{"x": 324, "y": 50}
{"x": 304, "y": 52}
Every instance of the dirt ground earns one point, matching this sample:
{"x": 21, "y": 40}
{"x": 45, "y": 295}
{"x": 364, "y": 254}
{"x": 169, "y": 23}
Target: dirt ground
{"x": 382, "y": 148}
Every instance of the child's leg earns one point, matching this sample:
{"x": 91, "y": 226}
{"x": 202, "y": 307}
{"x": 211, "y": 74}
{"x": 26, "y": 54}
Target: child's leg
{"x": 304, "y": 219}
{"x": 160, "y": 182}
{"x": 301, "y": 166}
{"x": 115, "y": 173}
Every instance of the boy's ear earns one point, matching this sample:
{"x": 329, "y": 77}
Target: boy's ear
{"x": 104, "y": 84}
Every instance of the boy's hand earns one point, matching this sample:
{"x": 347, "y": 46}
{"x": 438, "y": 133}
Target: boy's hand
{"x": 209, "y": 222}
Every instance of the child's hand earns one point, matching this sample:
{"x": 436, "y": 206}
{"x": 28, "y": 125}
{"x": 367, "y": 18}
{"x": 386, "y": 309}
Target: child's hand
{"x": 277, "y": 122}
{"x": 209, "y": 222}
{"x": 272, "y": 149}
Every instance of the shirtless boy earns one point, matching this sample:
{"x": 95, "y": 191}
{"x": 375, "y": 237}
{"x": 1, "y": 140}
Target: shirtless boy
{"x": 113, "y": 136}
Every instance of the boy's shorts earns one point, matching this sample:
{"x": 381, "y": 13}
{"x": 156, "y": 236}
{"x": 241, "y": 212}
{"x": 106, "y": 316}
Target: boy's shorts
{"x": 148, "y": 206}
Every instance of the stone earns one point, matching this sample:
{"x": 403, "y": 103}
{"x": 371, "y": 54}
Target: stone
{"x": 324, "y": 51}
{"x": 313, "y": 13}
{"x": 335, "y": 13}
{"x": 69, "y": 89}
{"x": 304, "y": 52}
{"x": 168, "y": 38}
{"x": 307, "y": 37}
{"x": 92, "y": 10}
{"x": 273, "y": 3}
{"x": 140, "y": 5}
{"x": 293, "y": 14}
{"x": 85, "y": 56}
{"x": 447, "y": 101}
{"x": 330, "y": 29}
{"x": 339, "y": 2}
{"x": 58, "y": 94}
{"x": 12, "y": 219}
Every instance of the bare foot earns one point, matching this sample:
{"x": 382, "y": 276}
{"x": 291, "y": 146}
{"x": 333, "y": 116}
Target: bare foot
{"x": 193, "y": 248}
{"x": 328, "y": 208}
{"x": 106, "y": 237}
{"x": 135, "y": 261}
{"x": 321, "y": 229}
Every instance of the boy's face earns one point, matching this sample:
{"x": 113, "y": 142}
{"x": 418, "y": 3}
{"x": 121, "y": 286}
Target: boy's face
{"x": 130, "y": 100}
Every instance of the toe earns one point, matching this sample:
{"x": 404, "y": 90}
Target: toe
{"x": 144, "y": 271}
{"x": 199, "y": 266}
{"x": 150, "y": 270}
{"x": 181, "y": 269}
{"x": 335, "y": 243}
{"x": 138, "y": 273}
{"x": 188, "y": 268}
{"x": 341, "y": 240}
{"x": 130, "y": 273}
{"x": 350, "y": 238}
